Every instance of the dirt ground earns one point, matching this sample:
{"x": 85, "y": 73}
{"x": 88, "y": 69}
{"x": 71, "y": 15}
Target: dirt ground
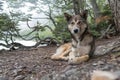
{"x": 34, "y": 63}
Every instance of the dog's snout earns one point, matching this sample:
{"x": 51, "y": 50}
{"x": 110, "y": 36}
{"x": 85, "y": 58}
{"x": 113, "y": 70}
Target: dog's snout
{"x": 76, "y": 31}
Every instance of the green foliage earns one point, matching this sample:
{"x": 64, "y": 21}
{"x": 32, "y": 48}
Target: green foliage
{"x": 96, "y": 29}
{"x": 61, "y": 32}
{"x": 1, "y": 4}
{"x": 53, "y": 9}
{"x": 5, "y": 22}
{"x": 93, "y": 30}
{"x": 7, "y": 28}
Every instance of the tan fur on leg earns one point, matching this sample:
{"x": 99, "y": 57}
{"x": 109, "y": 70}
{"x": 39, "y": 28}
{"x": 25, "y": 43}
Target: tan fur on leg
{"x": 62, "y": 56}
{"x": 59, "y": 57}
{"x": 62, "y": 52}
{"x": 54, "y": 57}
{"x": 77, "y": 60}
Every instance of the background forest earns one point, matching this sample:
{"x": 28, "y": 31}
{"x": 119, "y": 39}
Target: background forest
{"x": 48, "y": 26}
{"x": 31, "y": 31}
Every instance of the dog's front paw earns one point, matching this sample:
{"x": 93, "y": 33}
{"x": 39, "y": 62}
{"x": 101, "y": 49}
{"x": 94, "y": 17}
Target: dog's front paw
{"x": 72, "y": 61}
{"x": 77, "y": 60}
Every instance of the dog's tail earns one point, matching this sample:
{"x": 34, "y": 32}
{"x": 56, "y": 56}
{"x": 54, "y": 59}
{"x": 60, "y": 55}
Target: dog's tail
{"x": 105, "y": 75}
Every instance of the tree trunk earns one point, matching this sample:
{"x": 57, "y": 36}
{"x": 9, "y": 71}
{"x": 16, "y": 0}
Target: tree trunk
{"x": 115, "y": 7}
{"x": 95, "y": 8}
{"x": 82, "y": 5}
{"x": 1, "y": 4}
{"x": 76, "y": 6}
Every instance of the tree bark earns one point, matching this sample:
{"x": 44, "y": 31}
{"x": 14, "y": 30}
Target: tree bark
{"x": 115, "y": 7}
{"x": 95, "y": 8}
{"x": 1, "y": 4}
{"x": 82, "y": 5}
{"x": 76, "y": 6}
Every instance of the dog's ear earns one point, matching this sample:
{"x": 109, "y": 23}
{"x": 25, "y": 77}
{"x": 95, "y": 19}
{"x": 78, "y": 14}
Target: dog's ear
{"x": 67, "y": 16}
{"x": 84, "y": 14}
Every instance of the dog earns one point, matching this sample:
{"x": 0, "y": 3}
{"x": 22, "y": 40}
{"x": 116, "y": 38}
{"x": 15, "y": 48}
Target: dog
{"x": 82, "y": 46}
{"x": 105, "y": 75}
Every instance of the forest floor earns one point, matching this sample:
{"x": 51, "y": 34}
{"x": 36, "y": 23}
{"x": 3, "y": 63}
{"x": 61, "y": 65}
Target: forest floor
{"x": 34, "y": 63}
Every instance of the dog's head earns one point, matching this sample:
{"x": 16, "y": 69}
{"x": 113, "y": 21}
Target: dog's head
{"x": 77, "y": 23}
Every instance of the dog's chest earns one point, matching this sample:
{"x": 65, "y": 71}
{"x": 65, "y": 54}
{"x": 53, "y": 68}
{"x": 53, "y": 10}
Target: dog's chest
{"x": 80, "y": 48}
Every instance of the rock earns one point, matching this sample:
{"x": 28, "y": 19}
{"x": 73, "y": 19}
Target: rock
{"x": 60, "y": 77}
{"x": 71, "y": 74}
{"x": 107, "y": 67}
{"x": 0, "y": 71}
{"x": 47, "y": 77}
{"x": 94, "y": 64}
{"x": 118, "y": 60}
{"x": 73, "y": 78}
{"x": 16, "y": 72}
{"x": 100, "y": 62}
{"x": 20, "y": 77}
{"x": 3, "y": 78}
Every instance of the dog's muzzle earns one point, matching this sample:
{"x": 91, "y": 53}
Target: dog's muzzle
{"x": 76, "y": 30}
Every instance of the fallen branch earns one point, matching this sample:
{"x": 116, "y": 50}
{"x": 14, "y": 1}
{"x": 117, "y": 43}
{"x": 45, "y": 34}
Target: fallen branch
{"x": 105, "y": 33}
{"x": 47, "y": 41}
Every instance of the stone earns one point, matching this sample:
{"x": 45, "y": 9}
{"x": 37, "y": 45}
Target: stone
{"x": 20, "y": 77}
{"x": 3, "y": 78}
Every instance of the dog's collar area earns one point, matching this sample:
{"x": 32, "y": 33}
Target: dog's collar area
{"x": 82, "y": 36}
{"x": 73, "y": 37}
{"x": 74, "y": 46}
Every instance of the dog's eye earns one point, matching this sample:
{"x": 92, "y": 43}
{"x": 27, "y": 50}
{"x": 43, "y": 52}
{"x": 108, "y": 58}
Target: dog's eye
{"x": 72, "y": 23}
{"x": 79, "y": 22}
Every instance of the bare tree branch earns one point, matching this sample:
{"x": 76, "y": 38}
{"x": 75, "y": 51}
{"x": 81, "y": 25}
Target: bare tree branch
{"x": 51, "y": 18}
{"x": 29, "y": 25}
{"x": 49, "y": 28}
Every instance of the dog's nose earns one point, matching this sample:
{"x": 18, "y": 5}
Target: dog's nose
{"x": 76, "y": 31}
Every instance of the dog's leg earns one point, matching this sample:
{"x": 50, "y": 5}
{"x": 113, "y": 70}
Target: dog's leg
{"x": 77, "y": 60}
{"x": 62, "y": 55}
